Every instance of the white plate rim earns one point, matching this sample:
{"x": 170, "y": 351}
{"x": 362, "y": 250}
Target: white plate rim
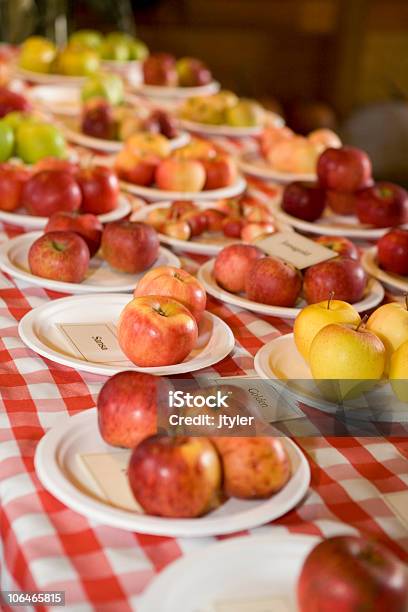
{"x": 205, "y": 276}
{"x": 52, "y": 478}
{"x": 7, "y": 266}
{"x": 269, "y": 174}
{"x": 370, "y": 264}
{"x": 49, "y": 78}
{"x": 162, "y": 91}
{"x": 154, "y": 194}
{"x": 32, "y": 222}
{"x": 29, "y": 337}
{"x": 152, "y": 596}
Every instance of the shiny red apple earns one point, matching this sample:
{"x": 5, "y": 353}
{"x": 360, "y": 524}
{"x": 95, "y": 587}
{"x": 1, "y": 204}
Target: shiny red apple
{"x": 87, "y": 226}
{"x": 392, "y": 252}
{"x": 60, "y": 256}
{"x": 344, "y": 169}
{"x": 382, "y": 205}
{"x": 232, "y": 264}
{"x": 130, "y": 247}
{"x": 303, "y": 200}
{"x": 51, "y": 191}
{"x": 12, "y": 181}
{"x": 100, "y": 189}
{"x": 221, "y": 171}
{"x": 339, "y": 244}
{"x": 273, "y": 281}
{"x": 343, "y": 276}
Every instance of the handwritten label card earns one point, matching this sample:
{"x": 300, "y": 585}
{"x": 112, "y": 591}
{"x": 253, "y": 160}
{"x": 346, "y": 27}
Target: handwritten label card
{"x": 95, "y": 342}
{"x": 295, "y": 249}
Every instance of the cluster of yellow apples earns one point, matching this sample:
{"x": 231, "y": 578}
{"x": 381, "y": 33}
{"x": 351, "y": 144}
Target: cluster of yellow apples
{"x": 355, "y": 353}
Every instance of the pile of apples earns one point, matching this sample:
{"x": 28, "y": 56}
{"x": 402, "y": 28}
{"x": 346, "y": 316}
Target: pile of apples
{"x": 223, "y": 108}
{"x": 290, "y": 153}
{"x": 70, "y": 240}
{"x": 164, "y": 70}
{"x": 147, "y": 160}
{"x": 183, "y": 477}
{"x": 58, "y": 185}
{"x": 242, "y": 217}
{"x": 244, "y": 268}
{"x": 346, "y": 186}
{"x": 341, "y": 348}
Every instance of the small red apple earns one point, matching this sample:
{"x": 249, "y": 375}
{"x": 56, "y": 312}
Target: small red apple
{"x": 160, "y": 69}
{"x": 60, "y": 256}
{"x": 197, "y": 220}
{"x": 12, "y": 181}
{"x": 215, "y": 219}
{"x": 87, "y": 226}
{"x": 343, "y": 276}
{"x": 382, "y": 205}
{"x": 221, "y": 171}
{"x": 130, "y": 247}
{"x": 392, "y": 249}
{"x": 303, "y": 200}
{"x": 232, "y": 264}
{"x": 342, "y": 246}
{"x": 344, "y": 169}
{"x": 232, "y": 226}
{"x": 272, "y": 281}
{"x": 100, "y": 189}
{"x": 341, "y": 203}
{"x": 51, "y": 191}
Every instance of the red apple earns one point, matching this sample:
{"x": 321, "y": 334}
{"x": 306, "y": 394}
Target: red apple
{"x": 272, "y": 281}
{"x": 232, "y": 226}
{"x": 197, "y": 220}
{"x": 342, "y": 246}
{"x": 215, "y": 219}
{"x": 87, "y": 226}
{"x": 51, "y": 191}
{"x": 98, "y": 120}
{"x": 11, "y": 101}
{"x": 54, "y": 163}
{"x": 179, "y": 208}
{"x": 231, "y": 207}
{"x": 176, "y": 477}
{"x": 100, "y": 189}
{"x": 156, "y": 331}
{"x": 160, "y": 69}
{"x": 161, "y": 122}
{"x": 350, "y": 573}
{"x": 342, "y": 276}
{"x": 174, "y": 283}
{"x": 253, "y": 468}
{"x": 382, "y": 205}
{"x": 157, "y": 218}
{"x": 221, "y": 172}
{"x": 180, "y": 230}
{"x": 232, "y": 264}
{"x": 257, "y": 213}
{"x": 252, "y": 231}
{"x": 130, "y": 247}
{"x": 341, "y": 203}
{"x": 344, "y": 169}
{"x": 127, "y": 407}
{"x": 303, "y": 200}
{"x": 12, "y": 181}
{"x": 180, "y": 175}
{"x": 138, "y": 169}
{"x": 60, "y": 256}
{"x": 392, "y": 252}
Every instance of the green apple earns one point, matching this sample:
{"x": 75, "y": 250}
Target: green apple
{"x": 15, "y": 118}
{"x": 37, "y": 54}
{"x": 104, "y": 85}
{"x": 86, "y": 39}
{"x": 115, "y": 50}
{"x": 37, "y": 140}
{"x": 246, "y": 113}
{"x": 138, "y": 50}
{"x": 77, "y": 62}
{"x": 6, "y": 141}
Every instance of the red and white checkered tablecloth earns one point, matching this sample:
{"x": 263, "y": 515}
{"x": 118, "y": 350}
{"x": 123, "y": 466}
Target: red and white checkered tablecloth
{"x": 46, "y": 546}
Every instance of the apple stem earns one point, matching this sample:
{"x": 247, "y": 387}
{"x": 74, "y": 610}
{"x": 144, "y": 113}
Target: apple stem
{"x": 331, "y": 297}
{"x": 362, "y": 322}
{"x": 160, "y": 311}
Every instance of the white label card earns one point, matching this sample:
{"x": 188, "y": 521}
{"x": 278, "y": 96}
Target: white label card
{"x": 295, "y": 249}
{"x": 95, "y": 342}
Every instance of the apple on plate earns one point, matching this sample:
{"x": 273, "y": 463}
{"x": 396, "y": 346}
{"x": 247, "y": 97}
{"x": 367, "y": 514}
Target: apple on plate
{"x": 145, "y": 143}
{"x": 251, "y": 232}
{"x": 160, "y": 122}
{"x": 294, "y": 155}
{"x": 88, "y": 39}
{"x": 98, "y": 119}
{"x": 11, "y": 101}
{"x": 180, "y": 208}
{"x": 60, "y": 256}
{"x": 106, "y": 86}
{"x": 100, "y": 189}
{"x": 221, "y": 171}
{"x": 192, "y": 72}
{"x": 51, "y": 191}
{"x": 180, "y": 230}
{"x": 343, "y": 276}
{"x": 256, "y": 212}
{"x": 271, "y": 135}
{"x": 215, "y": 219}
{"x": 392, "y": 252}
{"x": 382, "y": 205}
{"x": 176, "y": 477}
{"x": 138, "y": 169}
{"x": 129, "y": 246}
{"x": 180, "y": 175}
{"x": 314, "y": 317}
{"x": 128, "y": 406}
{"x": 74, "y": 61}
{"x": 339, "y": 244}
{"x": 341, "y": 203}
{"x": 35, "y": 140}
{"x": 197, "y": 220}
{"x": 272, "y": 281}
{"x": 156, "y": 331}
{"x": 160, "y": 69}
{"x": 253, "y": 468}
{"x": 87, "y": 226}
{"x": 245, "y": 113}
{"x": 37, "y": 54}
{"x": 54, "y": 163}
{"x": 344, "y": 169}
{"x": 174, "y": 283}
{"x": 12, "y": 181}
{"x": 232, "y": 265}
{"x": 157, "y": 218}
{"x": 350, "y": 573}
{"x": 232, "y": 226}
{"x": 390, "y": 323}
{"x": 196, "y": 149}
{"x": 304, "y": 200}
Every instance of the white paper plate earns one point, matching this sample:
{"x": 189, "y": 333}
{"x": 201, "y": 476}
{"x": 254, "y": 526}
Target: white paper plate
{"x": 373, "y": 297}
{"x": 39, "y": 330}
{"x": 153, "y": 195}
{"x": 229, "y": 131}
{"x": 369, "y": 261}
{"x": 58, "y": 468}
{"x": 279, "y": 359}
{"x": 331, "y": 224}
{"x": 101, "y": 278}
{"x": 43, "y": 78}
{"x": 179, "y": 93}
{"x": 56, "y": 99}
{"x": 206, "y": 244}
{"x": 252, "y": 164}
{"x": 247, "y": 568}
{"x": 23, "y": 219}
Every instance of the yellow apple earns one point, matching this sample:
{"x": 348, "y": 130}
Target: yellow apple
{"x": 349, "y": 357}
{"x": 144, "y": 143}
{"x": 314, "y": 317}
{"x": 390, "y": 324}
{"x": 399, "y": 372}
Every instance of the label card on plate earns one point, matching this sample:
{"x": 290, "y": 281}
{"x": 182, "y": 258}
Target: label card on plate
{"x": 295, "y": 249}
{"x": 109, "y": 471}
{"x": 269, "y": 604}
{"x": 398, "y": 502}
{"x": 95, "y": 342}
